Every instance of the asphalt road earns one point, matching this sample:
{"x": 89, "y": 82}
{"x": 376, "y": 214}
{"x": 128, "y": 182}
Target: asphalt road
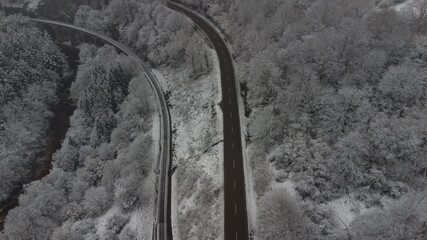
{"x": 162, "y": 227}
{"x": 235, "y": 216}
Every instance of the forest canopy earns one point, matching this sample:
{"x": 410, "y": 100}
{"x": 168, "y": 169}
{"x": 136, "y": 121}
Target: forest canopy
{"x": 31, "y": 67}
{"x": 337, "y": 92}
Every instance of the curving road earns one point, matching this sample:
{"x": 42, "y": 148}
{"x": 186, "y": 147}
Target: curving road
{"x": 235, "y": 215}
{"x": 162, "y": 226}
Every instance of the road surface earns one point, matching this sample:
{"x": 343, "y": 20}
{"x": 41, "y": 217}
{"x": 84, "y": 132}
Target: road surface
{"x": 235, "y": 215}
{"x": 162, "y": 226}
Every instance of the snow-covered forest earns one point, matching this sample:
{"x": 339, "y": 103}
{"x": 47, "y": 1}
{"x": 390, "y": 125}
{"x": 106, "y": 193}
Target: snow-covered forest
{"x": 184, "y": 64}
{"x": 101, "y": 181}
{"x": 31, "y": 69}
{"x": 336, "y": 115}
{"x": 105, "y": 163}
{"x": 335, "y": 95}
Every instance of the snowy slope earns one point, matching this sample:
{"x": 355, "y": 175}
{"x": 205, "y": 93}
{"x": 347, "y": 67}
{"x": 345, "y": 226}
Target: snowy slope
{"x": 197, "y": 204}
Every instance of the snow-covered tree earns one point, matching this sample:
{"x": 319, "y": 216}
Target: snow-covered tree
{"x": 280, "y": 217}
{"x": 96, "y": 201}
{"x": 404, "y": 85}
{"x": 30, "y": 68}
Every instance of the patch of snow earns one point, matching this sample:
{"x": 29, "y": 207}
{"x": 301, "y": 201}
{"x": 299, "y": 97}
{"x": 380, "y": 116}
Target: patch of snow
{"x": 345, "y": 209}
{"x": 161, "y": 79}
{"x": 198, "y": 149}
{"x": 101, "y": 223}
{"x": 141, "y": 220}
{"x": 251, "y": 196}
{"x": 174, "y": 211}
{"x": 401, "y": 6}
{"x": 33, "y": 5}
{"x": 138, "y": 224}
{"x": 288, "y": 185}
{"x": 155, "y": 131}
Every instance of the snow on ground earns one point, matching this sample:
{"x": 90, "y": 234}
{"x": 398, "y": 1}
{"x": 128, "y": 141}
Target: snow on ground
{"x": 174, "y": 211}
{"x": 345, "y": 209}
{"x": 288, "y": 185}
{"x": 401, "y": 6}
{"x": 141, "y": 220}
{"x": 31, "y": 5}
{"x": 398, "y": 7}
{"x": 101, "y": 225}
{"x": 138, "y": 223}
{"x": 197, "y": 184}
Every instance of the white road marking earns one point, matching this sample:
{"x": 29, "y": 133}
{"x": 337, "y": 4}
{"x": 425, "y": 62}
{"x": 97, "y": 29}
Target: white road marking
{"x": 232, "y": 129}
{"x": 230, "y": 101}
{"x": 231, "y": 114}
{"x": 234, "y": 185}
{"x": 232, "y": 146}
{"x": 234, "y": 164}
{"x": 236, "y": 236}
{"x": 235, "y": 209}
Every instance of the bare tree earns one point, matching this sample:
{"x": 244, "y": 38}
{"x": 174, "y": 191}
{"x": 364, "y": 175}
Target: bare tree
{"x": 417, "y": 12}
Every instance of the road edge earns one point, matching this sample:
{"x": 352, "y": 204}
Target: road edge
{"x": 251, "y": 212}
